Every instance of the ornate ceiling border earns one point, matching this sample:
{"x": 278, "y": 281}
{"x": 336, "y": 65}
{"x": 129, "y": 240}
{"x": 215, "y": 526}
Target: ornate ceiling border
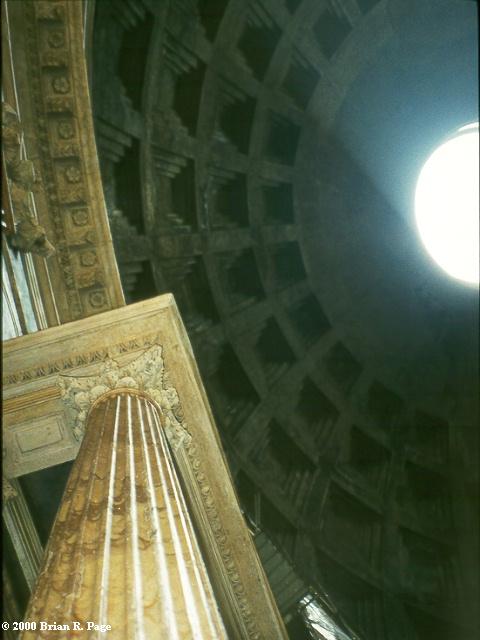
{"x": 50, "y": 74}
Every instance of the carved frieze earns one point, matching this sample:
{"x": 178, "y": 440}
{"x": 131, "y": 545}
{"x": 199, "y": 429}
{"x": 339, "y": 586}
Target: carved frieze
{"x": 56, "y": 112}
{"x": 232, "y": 571}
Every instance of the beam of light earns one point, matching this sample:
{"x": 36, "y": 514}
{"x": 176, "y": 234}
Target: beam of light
{"x": 447, "y": 205}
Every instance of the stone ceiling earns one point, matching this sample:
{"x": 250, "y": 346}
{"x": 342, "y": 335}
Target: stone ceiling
{"x": 258, "y": 161}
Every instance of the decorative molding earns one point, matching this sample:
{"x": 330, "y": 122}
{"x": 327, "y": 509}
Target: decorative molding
{"x": 230, "y": 567}
{"x": 55, "y": 367}
{"x": 28, "y": 400}
{"x": 56, "y": 114}
{"x": 80, "y": 359}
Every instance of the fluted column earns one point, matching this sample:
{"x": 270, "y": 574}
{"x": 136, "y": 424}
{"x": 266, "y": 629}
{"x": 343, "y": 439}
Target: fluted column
{"x": 122, "y": 550}
{"x": 20, "y": 526}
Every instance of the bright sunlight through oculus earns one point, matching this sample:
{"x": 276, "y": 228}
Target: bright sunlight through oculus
{"x": 447, "y": 204}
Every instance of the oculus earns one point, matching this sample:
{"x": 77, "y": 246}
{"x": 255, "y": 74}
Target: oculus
{"x": 447, "y": 204}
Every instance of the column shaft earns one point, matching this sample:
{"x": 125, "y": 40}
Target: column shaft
{"x": 123, "y": 551}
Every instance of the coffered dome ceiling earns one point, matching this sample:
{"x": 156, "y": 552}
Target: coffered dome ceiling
{"x": 259, "y": 160}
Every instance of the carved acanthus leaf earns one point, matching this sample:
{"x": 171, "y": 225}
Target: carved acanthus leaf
{"x": 145, "y": 374}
